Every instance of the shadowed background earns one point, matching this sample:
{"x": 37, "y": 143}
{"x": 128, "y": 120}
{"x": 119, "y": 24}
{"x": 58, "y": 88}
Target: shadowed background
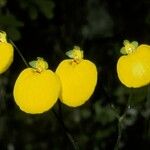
{"x": 49, "y": 28}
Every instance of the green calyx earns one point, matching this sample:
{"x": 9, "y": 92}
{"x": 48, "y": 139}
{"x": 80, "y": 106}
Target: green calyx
{"x": 3, "y": 38}
{"x": 76, "y": 54}
{"x": 129, "y": 47}
{"x": 39, "y": 65}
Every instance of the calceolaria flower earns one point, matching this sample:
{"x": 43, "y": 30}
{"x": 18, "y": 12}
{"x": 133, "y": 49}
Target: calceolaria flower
{"x": 133, "y": 67}
{"x": 37, "y": 88}
{"x": 6, "y": 53}
{"x": 78, "y": 78}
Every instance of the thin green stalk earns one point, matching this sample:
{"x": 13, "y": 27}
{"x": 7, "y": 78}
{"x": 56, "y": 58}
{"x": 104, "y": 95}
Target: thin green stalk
{"x": 60, "y": 110}
{"x": 67, "y": 133}
{"x": 19, "y": 52}
{"x": 120, "y": 121}
{"x": 119, "y": 134}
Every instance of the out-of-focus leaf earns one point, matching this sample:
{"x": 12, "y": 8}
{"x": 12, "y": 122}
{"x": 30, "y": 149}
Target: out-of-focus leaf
{"x": 3, "y": 3}
{"x": 130, "y": 117}
{"x": 46, "y": 7}
{"x": 104, "y": 133}
{"x": 23, "y": 4}
{"x": 100, "y": 23}
{"x": 10, "y": 20}
{"x": 33, "y": 7}
{"x": 104, "y": 114}
{"x": 146, "y": 111}
{"x": 85, "y": 113}
{"x": 33, "y": 13}
{"x": 14, "y": 33}
{"x": 138, "y": 95}
{"x": 147, "y": 20}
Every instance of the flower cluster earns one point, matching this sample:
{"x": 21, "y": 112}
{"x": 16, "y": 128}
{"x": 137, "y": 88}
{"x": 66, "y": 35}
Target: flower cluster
{"x": 38, "y": 88}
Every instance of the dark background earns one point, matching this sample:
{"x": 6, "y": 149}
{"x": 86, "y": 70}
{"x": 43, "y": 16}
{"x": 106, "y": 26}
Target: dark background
{"x": 49, "y": 28}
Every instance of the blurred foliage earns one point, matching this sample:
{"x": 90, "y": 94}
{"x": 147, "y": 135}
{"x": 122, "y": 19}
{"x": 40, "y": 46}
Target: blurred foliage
{"x": 34, "y": 7}
{"x": 11, "y": 24}
{"x": 49, "y": 28}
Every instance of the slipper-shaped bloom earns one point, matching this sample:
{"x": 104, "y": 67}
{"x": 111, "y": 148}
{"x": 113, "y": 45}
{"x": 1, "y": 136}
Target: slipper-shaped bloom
{"x": 133, "y": 67}
{"x": 36, "y": 89}
{"x": 6, "y": 53}
{"x": 78, "y": 78}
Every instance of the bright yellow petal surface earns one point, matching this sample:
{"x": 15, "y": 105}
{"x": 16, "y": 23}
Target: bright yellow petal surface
{"x": 6, "y": 56}
{"x": 134, "y": 69}
{"x": 36, "y": 92}
{"x": 78, "y": 81}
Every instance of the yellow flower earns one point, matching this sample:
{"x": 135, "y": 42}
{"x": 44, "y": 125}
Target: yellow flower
{"x": 78, "y": 78}
{"x": 6, "y": 53}
{"x": 36, "y": 89}
{"x": 134, "y": 68}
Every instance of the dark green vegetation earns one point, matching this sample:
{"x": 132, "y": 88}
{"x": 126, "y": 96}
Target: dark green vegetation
{"x": 49, "y": 28}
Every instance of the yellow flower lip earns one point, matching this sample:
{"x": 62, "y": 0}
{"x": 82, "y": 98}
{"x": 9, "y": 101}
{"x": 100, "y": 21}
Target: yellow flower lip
{"x": 3, "y": 37}
{"x": 76, "y": 54}
{"x": 78, "y": 78}
{"x": 133, "y": 69}
{"x": 39, "y": 65}
{"x": 36, "y": 92}
{"x": 129, "y": 47}
{"x": 6, "y": 52}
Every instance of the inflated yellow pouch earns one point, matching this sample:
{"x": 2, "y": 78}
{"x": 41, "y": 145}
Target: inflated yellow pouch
{"x": 78, "y": 78}
{"x": 36, "y": 89}
{"x": 133, "y": 68}
{"x": 6, "y": 53}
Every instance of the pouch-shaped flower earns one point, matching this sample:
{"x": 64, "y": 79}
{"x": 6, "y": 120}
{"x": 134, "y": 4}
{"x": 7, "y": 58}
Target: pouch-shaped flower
{"x": 133, "y": 68}
{"x": 36, "y": 89}
{"x": 6, "y": 53}
{"x": 78, "y": 78}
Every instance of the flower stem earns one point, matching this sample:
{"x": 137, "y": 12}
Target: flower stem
{"x": 120, "y": 122}
{"x": 67, "y": 133}
{"x": 19, "y": 52}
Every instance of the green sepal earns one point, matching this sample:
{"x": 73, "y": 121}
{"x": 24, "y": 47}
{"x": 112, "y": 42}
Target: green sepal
{"x": 3, "y": 36}
{"x": 128, "y": 46}
{"x": 46, "y": 65}
{"x": 33, "y": 63}
{"x": 135, "y": 43}
{"x": 123, "y": 51}
{"x": 40, "y": 58}
{"x": 69, "y": 54}
{"x": 125, "y": 42}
